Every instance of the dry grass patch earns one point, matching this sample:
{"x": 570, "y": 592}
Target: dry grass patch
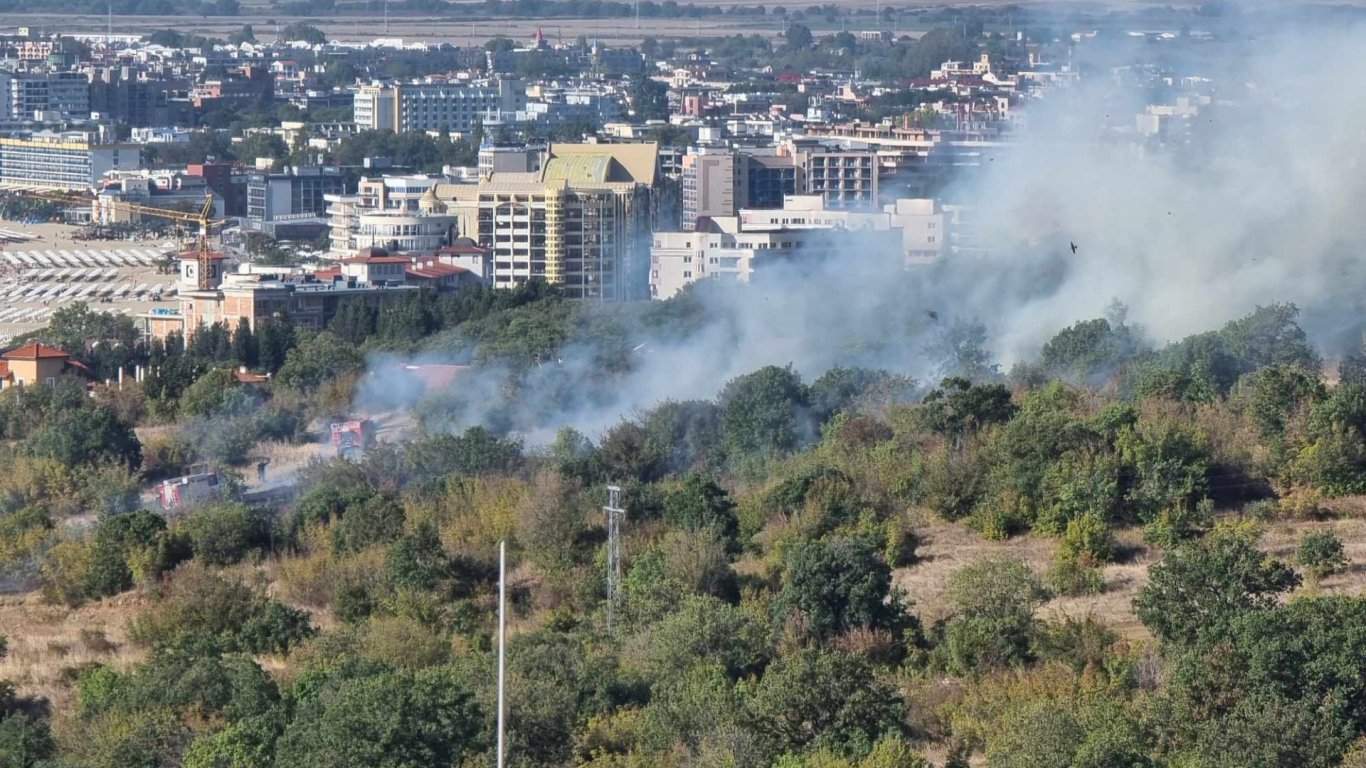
{"x": 946, "y": 547}
{"x": 45, "y": 640}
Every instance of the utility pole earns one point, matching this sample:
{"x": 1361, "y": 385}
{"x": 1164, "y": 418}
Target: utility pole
{"x": 615, "y": 514}
{"x": 502, "y": 637}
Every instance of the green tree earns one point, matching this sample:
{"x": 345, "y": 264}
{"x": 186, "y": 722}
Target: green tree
{"x": 958, "y": 407}
{"x": 318, "y": 358}
{"x": 417, "y": 560}
{"x": 1089, "y": 349}
{"x": 119, "y": 538}
{"x": 993, "y": 624}
{"x": 224, "y": 533}
{"x": 841, "y": 389}
{"x": 1320, "y": 554}
{"x": 705, "y": 629}
{"x": 376, "y": 520}
{"x": 764, "y": 414}
{"x": 216, "y": 393}
{"x": 650, "y": 100}
{"x": 199, "y": 605}
{"x": 798, "y": 37}
{"x": 244, "y": 346}
{"x": 355, "y": 322}
{"x": 1200, "y": 588}
{"x": 697, "y": 503}
{"x": 839, "y": 584}
{"x": 259, "y": 145}
{"x": 84, "y": 436}
{"x": 385, "y": 720}
{"x": 303, "y": 32}
{"x": 822, "y": 699}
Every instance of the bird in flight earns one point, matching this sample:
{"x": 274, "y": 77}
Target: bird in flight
{"x": 1074, "y": 246}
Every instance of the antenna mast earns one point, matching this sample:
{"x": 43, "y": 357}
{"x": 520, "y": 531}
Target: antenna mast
{"x": 615, "y": 514}
{"x": 502, "y": 637}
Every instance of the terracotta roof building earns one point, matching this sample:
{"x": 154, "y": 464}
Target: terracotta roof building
{"x": 33, "y": 363}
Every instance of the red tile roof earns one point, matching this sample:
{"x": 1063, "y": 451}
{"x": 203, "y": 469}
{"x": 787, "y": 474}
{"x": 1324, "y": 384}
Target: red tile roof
{"x": 250, "y": 378}
{"x": 4, "y": 370}
{"x": 435, "y": 270}
{"x": 374, "y": 260}
{"x": 34, "y": 351}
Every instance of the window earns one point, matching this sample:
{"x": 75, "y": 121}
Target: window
{"x": 687, "y": 274}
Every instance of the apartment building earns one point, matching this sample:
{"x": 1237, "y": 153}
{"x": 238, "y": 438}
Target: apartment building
{"x": 46, "y": 95}
{"x": 74, "y": 160}
{"x": 766, "y": 180}
{"x": 295, "y": 191}
{"x": 403, "y": 232}
{"x": 391, "y": 205}
{"x": 922, "y": 224}
{"x": 844, "y": 177}
{"x": 243, "y": 87}
{"x": 456, "y": 107}
{"x": 721, "y": 181}
{"x": 724, "y": 251}
{"x": 117, "y": 94}
{"x": 708, "y": 185}
{"x": 730, "y": 250}
{"x": 582, "y": 222}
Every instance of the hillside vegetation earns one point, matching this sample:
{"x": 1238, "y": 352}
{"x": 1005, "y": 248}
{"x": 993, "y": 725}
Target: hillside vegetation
{"x": 1113, "y": 555}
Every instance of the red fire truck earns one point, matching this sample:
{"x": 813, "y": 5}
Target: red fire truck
{"x": 351, "y": 438}
{"x": 181, "y": 491}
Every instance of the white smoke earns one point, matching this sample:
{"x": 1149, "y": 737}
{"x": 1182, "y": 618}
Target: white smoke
{"x": 1260, "y": 206}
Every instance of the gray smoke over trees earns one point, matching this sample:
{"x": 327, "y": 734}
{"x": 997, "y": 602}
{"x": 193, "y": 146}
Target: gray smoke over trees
{"x": 1251, "y": 202}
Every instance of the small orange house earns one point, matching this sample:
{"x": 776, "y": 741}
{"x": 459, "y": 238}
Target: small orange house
{"x": 32, "y": 364}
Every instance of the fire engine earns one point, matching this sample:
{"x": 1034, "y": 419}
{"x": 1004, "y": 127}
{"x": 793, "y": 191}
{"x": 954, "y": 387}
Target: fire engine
{"x": 351, "y": 438}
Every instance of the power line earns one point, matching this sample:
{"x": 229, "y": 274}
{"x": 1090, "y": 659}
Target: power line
{"x": 615, "y": 514}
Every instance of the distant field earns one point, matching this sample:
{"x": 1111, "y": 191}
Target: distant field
{"x": 460, "y": 31}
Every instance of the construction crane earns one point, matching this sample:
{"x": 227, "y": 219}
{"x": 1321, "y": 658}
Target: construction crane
{"x": 203, "y": 219}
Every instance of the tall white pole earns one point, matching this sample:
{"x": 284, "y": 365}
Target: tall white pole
{"x": 502, "y": 637}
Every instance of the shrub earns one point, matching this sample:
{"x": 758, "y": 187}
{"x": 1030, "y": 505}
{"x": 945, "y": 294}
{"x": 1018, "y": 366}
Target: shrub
{"x": 223, "y": 534}
{"x": 1301, "y": 504}
{"x": 377, "y": 520}
{"x": 994, "y": 621}
{"x": 1320, "y": 554}
{"x": 227, "y": 613}
{"x": 1074, "y": 576}
{"x": 1088, "y": 538}
{"x": 1178, "y": 523}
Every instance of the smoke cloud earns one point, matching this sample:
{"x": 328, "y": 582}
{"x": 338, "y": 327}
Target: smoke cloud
{"x": 1254, "y": 200}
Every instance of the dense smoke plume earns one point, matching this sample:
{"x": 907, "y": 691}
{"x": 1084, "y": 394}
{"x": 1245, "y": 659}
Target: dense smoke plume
{"x": 1259, "y": 204}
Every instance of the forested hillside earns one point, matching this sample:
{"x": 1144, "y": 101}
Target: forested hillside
{"x": 770, "y": 528}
